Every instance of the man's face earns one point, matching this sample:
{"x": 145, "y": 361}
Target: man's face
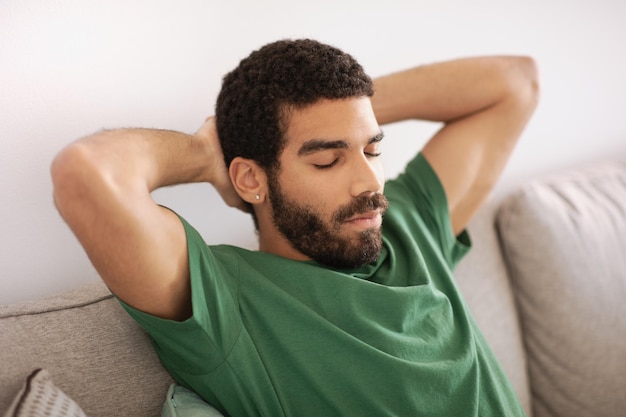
{"x": 327, "y": 197}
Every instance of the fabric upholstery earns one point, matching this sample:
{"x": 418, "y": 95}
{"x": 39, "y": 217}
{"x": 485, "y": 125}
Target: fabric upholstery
{"x": 483, "y": 280}
{"x": 565, "y": 242}
{"x": 96, "y": 353}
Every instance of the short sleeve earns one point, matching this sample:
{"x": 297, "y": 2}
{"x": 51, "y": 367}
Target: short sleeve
{"x": 419, "y": 187}
{"x": 200, "y": 343}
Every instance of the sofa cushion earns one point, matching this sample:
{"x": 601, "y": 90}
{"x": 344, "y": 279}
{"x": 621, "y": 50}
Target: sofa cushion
{"x": 484, "y": 282}
{"x": 96, "y": 353}
{"x": 565, "y": 243}
{"x": 40, "y": 397}
{"x": 181, "y": 402}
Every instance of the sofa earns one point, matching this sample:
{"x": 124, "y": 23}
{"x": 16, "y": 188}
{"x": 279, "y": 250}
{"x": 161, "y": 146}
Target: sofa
{"x": 546, "y": 282}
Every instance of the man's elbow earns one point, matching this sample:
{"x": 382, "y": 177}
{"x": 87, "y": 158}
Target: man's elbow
{"x": 522, "y": 81}
{"x": 69, "y": 171}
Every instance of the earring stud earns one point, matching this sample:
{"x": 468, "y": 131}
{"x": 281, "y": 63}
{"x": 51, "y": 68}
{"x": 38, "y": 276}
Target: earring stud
{"x": 257, "y": 197}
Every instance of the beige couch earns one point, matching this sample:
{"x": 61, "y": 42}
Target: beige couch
{"x": 546, "y": 281}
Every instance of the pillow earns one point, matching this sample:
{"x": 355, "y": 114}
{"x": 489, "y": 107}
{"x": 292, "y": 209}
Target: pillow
{"x": 40, "y": 397}
{"x": 181, "y": 402}
{"x": 565, "y": 239}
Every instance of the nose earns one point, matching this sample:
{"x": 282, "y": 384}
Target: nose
{"x": 368, "y": 176}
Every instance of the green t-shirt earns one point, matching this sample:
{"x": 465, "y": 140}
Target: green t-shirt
{"x": 275, "y": 337}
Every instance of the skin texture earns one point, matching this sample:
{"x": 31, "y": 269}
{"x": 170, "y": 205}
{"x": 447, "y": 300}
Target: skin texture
{"x": 102, "y": 183}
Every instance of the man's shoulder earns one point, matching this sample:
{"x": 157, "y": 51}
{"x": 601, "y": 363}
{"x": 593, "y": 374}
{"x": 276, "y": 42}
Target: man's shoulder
{"x": 418, "y": 186}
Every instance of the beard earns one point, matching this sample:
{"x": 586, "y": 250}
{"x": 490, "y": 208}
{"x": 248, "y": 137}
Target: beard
{"x": 323, "y": 241}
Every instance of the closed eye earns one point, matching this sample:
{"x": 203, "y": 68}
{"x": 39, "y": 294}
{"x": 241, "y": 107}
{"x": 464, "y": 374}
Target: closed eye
{"x": 326, "y": 166}
{"x": 372, "y": 149}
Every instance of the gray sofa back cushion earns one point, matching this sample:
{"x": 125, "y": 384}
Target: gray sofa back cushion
{"x": 483, "y": 279}
{"x": 565, "y": 243}
{"x": 93, "y": 350}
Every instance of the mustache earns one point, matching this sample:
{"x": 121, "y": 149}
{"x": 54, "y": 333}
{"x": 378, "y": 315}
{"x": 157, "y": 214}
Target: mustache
{"x": 360, "y": 205}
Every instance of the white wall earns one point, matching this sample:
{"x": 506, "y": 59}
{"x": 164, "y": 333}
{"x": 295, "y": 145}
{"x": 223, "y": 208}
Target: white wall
{"x": 70, "y": 67}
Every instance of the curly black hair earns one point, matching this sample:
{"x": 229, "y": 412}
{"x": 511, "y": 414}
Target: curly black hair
{"x": 252, "y": 110}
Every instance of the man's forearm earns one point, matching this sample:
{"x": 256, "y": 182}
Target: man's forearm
{"x": 120, "y": 163}
{"x": 484, "y": 104}
{"x": 451, "y": 90}
{"x": 155, "y": 157}
{"x": 98, "y": 175}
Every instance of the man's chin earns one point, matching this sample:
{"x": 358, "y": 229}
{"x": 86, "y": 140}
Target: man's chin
{"x": 354, "y": 255}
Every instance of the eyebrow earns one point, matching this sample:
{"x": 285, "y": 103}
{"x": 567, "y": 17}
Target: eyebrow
{"x": 317, "y": 145}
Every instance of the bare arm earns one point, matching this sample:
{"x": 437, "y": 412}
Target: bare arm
{"x": 102, "y": 186}
{"x": 484, "y": 104}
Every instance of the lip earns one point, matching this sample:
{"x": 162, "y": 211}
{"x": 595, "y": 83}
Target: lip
{"x": 367, "y": 220}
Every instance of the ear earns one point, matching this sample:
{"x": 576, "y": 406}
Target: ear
{"x": 249, "y": 180}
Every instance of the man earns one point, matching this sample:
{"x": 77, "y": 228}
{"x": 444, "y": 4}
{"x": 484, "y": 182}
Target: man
{"x": 335, "y": 315}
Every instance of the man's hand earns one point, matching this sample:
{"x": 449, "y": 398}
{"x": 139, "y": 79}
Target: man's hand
{"x": 219, "y": 176}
